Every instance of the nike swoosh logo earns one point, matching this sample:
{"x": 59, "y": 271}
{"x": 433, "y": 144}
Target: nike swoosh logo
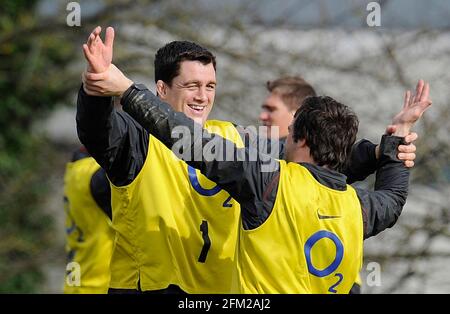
{"x": 326, "y": 217}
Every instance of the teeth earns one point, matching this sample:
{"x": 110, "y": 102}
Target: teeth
{"x": 196, "y": 107}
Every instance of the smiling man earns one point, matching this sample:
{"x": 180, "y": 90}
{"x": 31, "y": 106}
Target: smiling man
{"x": 189, "y": 86}
{"x": 168, "y": 239}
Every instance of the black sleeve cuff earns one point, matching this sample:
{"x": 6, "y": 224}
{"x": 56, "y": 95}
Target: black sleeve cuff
{"x": 389, "y": 149}
{"x": 99, "y": 101}
{"x": 92, "y": 110}
{"x": 128, "y": 94}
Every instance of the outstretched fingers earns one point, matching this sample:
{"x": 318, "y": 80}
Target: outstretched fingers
{"x": 97, "y": 30}
{"x": 419, "y": 91}
{"x": 87, "y": 54}
{"x": 109, "y": 39}
{"x": 425, "y": 93}
{"x": 90, "y": 38}
{"x": 407, "y": 99}
{"x": 94, "y": 34}
{"x": 95, "y": 44}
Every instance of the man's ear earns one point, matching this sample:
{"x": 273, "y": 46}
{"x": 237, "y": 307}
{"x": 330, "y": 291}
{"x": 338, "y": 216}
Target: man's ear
{"x": 161, "y": 89}
{"x": 301, "y": 142}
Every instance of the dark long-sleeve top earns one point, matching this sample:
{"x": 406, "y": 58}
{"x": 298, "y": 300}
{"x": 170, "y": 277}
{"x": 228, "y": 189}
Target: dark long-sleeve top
{"x": 98, "y": 185}
{"x": 119, "y": 144}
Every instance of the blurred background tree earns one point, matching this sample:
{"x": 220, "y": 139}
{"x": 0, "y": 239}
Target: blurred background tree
{"x": 29, "y": 90}
{"x": 326, "y": 42}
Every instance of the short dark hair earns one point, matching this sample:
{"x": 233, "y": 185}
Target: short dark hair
{"x": 169, "y": 58}
{"x": 329, "y": 129}
{"x": 292, "y": 89}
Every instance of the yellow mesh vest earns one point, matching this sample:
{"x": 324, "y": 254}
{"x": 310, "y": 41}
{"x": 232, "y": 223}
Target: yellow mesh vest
{"x": 311, "y": 242}
{"x": 174, "y": 226}
{"x": 90, "y": 237}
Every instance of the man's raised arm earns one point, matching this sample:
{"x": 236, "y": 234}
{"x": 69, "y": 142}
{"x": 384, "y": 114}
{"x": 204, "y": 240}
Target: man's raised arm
{"x": 113, "y": 138}
{"x": 382, "y": 207}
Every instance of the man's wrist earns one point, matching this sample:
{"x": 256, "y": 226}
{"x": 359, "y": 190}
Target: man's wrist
{"x": 125, "y": 86}
{"x": 402, "y": 130}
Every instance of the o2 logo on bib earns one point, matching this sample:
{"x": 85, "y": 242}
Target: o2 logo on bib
{"x": 193, "y": 179}
{"x": 312, "y": 240}
{"x": 196, "y": 185}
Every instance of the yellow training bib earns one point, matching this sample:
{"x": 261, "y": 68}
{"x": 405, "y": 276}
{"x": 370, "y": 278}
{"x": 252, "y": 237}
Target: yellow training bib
{"x": 90, "y": 236}
{"x": 312, "y": 241}
{"x": 174, "y": 226}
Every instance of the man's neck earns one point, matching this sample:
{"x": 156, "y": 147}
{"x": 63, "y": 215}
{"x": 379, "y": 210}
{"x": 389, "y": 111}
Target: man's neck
{"x": 303, "y": 154}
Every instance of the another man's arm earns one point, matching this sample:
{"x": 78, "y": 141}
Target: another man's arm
{"x": 243, "y": 178}
{"x": 113, "y": 138}
{"x": 382, "y": 207}
{"x": 364, "y": 159}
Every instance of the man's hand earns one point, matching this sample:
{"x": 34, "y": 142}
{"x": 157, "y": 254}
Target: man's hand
{"x": 406, "y": 153}
{"x": 102, "y": 78}
{"x": 98, "y": 54}
{"x": 112, "y": 82}
{"x": 413, "y": 108}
